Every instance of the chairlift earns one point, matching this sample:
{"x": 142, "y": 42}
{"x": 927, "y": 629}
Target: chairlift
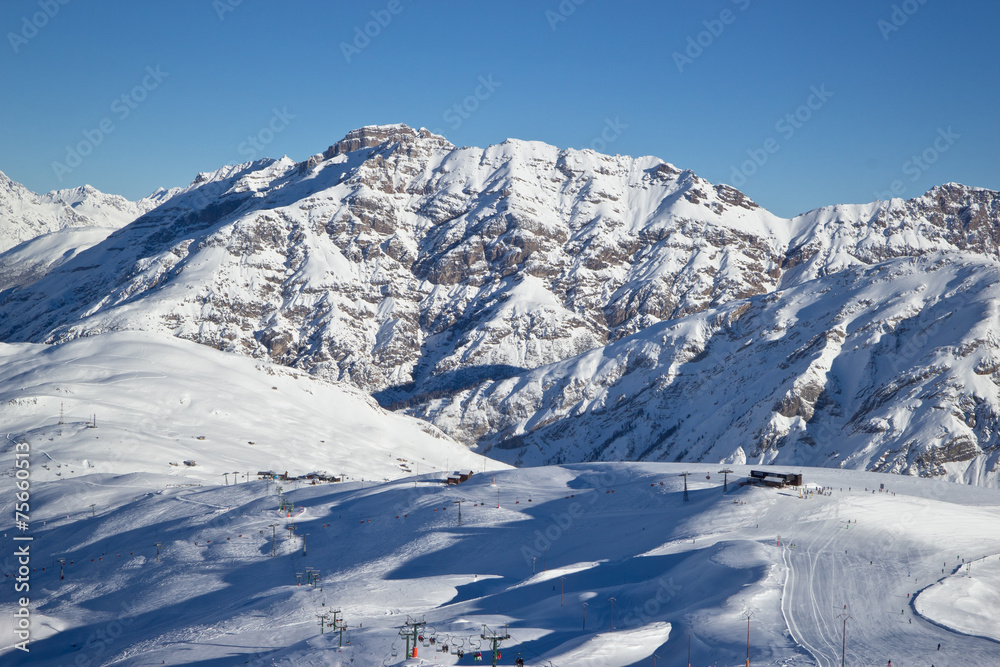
{"x": 395, "y": 651}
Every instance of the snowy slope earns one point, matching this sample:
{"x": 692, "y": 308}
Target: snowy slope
{"x": 159, "y": 401}
{"x": 893, "y": 367}
{"x": 795, "y": 558}
{"x": 31, "y": 260}
{"x": 966, "y": 601}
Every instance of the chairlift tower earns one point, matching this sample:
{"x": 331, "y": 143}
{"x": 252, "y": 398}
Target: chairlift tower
{"x": 726, "y": 472}
{"x": 274, "y": 539}
{"x": 341, "y": 627}
{"x": 685, "y": 475}
{"x": 411, "y": 628}
{"x": 748, "y": 614}
{"x": 495, "y": 639}
{"x": 843, "y": 637}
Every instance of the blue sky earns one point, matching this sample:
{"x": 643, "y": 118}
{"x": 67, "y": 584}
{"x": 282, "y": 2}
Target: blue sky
{"x": 799, "y": 104}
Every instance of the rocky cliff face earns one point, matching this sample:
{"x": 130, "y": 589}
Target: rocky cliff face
{"x": 426, "y": 273}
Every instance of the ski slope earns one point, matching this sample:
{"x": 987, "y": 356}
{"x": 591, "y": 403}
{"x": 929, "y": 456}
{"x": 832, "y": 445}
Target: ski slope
{"x": 395, "y": 552}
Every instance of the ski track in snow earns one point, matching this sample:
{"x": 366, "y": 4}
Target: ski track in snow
{"x": 826, "y": 568}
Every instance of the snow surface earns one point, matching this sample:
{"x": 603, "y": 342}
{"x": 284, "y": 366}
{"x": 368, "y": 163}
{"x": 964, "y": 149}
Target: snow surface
{"x": 967, "y": 600}
{"x": 395, "y": 551}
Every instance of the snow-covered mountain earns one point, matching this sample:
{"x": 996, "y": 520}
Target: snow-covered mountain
{"x": 427, "y": 273}
{"x": 39, "y": 233}
{"x": 395, "y": 257}
{"x": 892, "y": 367}
{"x": 25, "y": 215}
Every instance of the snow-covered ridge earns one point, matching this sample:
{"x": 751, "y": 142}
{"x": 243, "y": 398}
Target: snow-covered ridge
{"x": 401, "y": 257}
{"x": 25, "y": 215}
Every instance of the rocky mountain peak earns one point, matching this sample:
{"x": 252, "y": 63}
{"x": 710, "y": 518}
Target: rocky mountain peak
{"x": 371, "y": 136}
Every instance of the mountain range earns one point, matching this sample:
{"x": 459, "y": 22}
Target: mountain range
{"x": 552, "y": 305}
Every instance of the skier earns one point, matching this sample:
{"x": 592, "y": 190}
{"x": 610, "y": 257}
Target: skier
{"x": 520, "y": 662}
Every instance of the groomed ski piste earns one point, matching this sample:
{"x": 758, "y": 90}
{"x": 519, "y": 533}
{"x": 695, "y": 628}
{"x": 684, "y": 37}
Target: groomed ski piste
{"x": 914, "y": 566}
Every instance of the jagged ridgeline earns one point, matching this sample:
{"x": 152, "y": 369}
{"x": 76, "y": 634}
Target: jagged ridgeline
{"x": 560, "y": 305}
